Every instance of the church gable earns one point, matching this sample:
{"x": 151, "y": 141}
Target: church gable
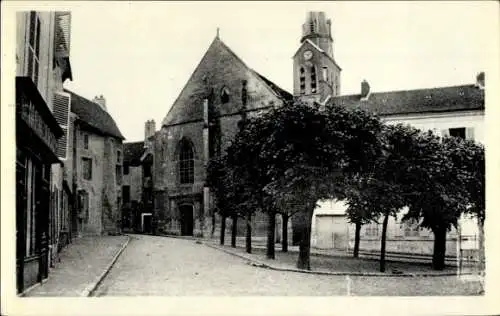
{"x": 223, "y": 75}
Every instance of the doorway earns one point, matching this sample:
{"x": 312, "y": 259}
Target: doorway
{"x": 186, "y": 219}
{"x": 146, "y": 223}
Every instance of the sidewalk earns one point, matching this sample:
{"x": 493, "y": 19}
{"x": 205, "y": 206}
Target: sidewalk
{"x": 336, "y": 263}
{"x": 82, "y": 266}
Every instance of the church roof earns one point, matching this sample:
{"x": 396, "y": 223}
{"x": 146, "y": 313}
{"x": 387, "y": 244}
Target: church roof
{"x": 418, "y": 101}
{"x": 132, "y": 153}
{"x": 283, "y": 94}
{"x": 94, "y": 116}
{"x": 319, "y": 49}
{"x": 187, "y": 107}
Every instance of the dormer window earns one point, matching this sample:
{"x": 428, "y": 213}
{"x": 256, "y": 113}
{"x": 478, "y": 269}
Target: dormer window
{"x": 224, "y": 96}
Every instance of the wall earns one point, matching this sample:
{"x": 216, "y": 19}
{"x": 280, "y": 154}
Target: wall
{"x": 438, "y": 122}
{"x": 94, "y": 187}
{"x": 103, "y": 188}
{"x": 111, "y": 190}
{"x": 134, "y": 180}
{"x": 219, "y": 69}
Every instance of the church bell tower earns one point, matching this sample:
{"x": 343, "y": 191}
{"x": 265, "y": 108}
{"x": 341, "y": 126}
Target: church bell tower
{"x": 316, "y": 74}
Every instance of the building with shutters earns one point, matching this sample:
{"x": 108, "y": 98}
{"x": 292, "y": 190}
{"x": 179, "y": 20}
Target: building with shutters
{"x": 93, "y": 165}
{"x": 42, "y": 65}
{"x": 222, "y": 88}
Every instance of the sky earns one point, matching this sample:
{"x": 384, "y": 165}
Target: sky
{"x": 139, "y": 55}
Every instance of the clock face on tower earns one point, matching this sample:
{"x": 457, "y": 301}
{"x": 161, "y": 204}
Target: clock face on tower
{"x": 307, "y": 55}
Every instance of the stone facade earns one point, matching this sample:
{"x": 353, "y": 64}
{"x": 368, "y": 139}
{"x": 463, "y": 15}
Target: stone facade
{"x": 204, "y": 118}
{"x": 316, "y": 75}
{"x": 94, "y": 167}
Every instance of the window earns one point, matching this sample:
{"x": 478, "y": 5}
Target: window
{"x": 224, "y": 97}
{"x": 83, "y": 202}
{"x": 146, "y": 170}
{"x": 325, "y": 74}
{"x": 458, "y": 132}
{"x": 311, "y": 25}
{"x": 85, "y": 141}
{"x": 34, "y": 47}
{"x": 411, "y": 229}
{"x": 186, "y": 162}
{"x": 87, "y": 168}
{"x": 118, "y": 156}
{"x": 126, "y": 193}
{"x": 125, "y": 168}
{"x": 302, "y": 80}
{"x": 118, "y": 171}
{"x": 313, "y": 79}
{"x": 372, "y": 230}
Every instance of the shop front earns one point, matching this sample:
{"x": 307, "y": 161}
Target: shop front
{"x": 36, "y": 140}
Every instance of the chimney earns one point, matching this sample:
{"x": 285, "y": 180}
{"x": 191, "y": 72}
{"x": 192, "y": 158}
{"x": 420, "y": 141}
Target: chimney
{"x": 480, "y": 80}
{"x": 365, "y": 89}
{"x": 149, "y": 129}
{"x": 101, "y": 101}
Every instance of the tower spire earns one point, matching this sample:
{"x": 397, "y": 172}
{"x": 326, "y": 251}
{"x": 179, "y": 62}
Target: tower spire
{"x": 217, "y": 35}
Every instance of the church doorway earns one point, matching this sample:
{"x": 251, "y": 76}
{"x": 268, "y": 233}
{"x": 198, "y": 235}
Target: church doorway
{"x": 187, "y": 220}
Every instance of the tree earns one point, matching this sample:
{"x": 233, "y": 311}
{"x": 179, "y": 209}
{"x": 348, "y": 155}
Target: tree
{"x": 357, "y": 212}
{"x": 378, "y": 193}
{"x": 251, "y": 174}
{"x": 298, "y": 150}
{"x": 286, "y": 211}
{"x": 220, "y": 179}
{"x": 435, "y": 187}
{"x": 468, "y": 160}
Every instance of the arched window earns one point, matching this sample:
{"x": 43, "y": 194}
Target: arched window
{"x": 313, "y": 79}
{"x": 224, "y": 96}
{"x": 186, "y": 162}
{"x": 302, "y": 80}
{"x": 311, "y": 25}
{"x": 325, "y": 74}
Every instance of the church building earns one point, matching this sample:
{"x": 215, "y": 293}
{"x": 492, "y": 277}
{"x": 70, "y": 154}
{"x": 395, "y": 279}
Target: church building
{"x": 200, "y": 124}
{"x": 223, "y": 89}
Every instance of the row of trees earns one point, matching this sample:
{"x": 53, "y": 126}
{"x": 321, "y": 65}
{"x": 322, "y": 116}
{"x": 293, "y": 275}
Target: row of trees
{"x": 289, "y": 158}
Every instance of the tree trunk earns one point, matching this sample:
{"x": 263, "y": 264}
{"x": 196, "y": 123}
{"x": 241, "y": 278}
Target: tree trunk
{"x": 382, "y": 243}
{"x": 271, "y": 226}
{"x": 357, "y": 235}
{"x": 213, "y": 226}
{"x": 234, "y": 231}
{"x": 305, "y": 241}
{"x": 222, "y": 229}
{"x": 481, "y": 247}
{"x": 248, "y": 241}
{"x": 438, "y": 256}
{"x": 284, "y": 232}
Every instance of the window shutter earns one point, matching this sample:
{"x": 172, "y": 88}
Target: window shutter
{"x": 61, "y": 105}
{"x": 63, "y": 33}
{"x": 469, "y": 133}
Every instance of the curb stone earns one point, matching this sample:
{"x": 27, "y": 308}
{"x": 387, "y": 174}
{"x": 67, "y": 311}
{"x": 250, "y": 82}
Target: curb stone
{"x": 89, "y": 290}
{"x": 257, "y": 263}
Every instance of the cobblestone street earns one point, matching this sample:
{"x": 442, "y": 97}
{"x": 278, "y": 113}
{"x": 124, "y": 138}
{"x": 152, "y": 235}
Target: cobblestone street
{"x": 168, "y": 266}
